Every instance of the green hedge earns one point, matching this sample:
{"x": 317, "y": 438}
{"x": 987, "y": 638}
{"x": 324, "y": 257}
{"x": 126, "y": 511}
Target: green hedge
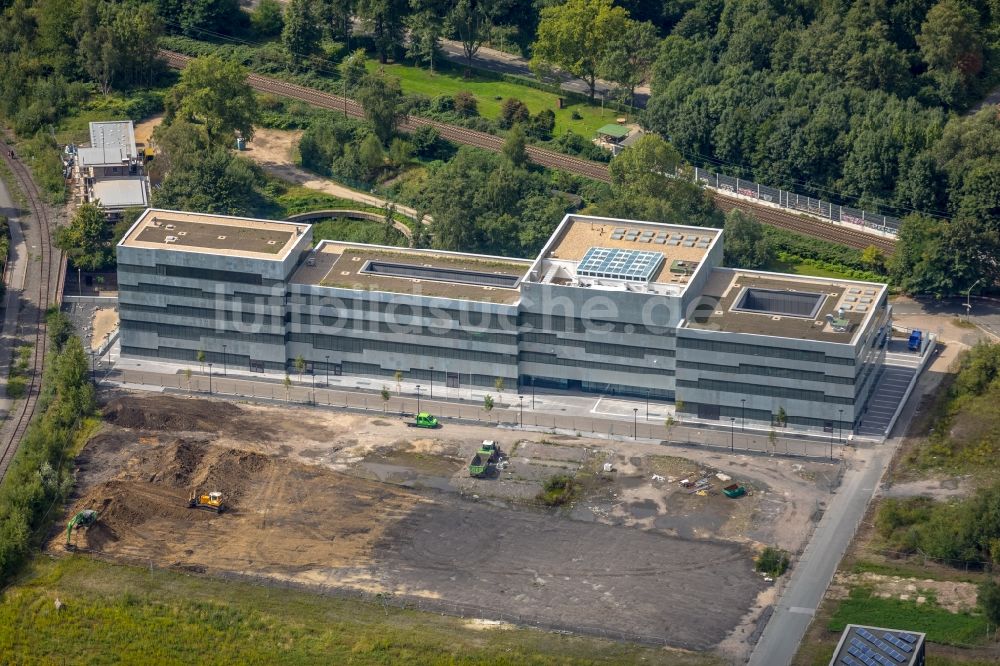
{"x": 40, "y": 476}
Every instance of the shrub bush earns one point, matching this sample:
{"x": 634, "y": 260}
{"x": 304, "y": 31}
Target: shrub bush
{"x": 40, "y": 475}
{"x": 772, "y": 561}
{"x": 558, "y": 490}
{"x": 465, "y": 104}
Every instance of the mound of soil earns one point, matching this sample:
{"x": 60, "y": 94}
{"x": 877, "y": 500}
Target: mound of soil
{"x": 164, "y": 412}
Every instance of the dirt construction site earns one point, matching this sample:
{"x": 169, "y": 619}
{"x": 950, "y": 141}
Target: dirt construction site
{"x": 341, "y": 500}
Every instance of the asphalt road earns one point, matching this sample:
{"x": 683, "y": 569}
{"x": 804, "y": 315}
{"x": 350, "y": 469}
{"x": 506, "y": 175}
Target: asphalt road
{"x": 813, "y": 572}
{"x": 985, "y": 312}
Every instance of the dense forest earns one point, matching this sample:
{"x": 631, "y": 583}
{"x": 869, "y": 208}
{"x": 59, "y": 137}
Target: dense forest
{"x": 861, "y": 102}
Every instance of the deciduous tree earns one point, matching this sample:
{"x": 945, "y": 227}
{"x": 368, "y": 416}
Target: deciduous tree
{"x": 214, "y": 92}
{"x": 575, "y": 36}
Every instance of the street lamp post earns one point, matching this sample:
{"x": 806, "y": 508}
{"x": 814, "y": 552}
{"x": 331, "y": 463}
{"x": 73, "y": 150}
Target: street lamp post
{"x": 224, "y": 373}
{"x": 532, "y": 391}
{"x": 314, "y": 388}
{"x": 418, "y": 398}
{"x": 968, "y": 299}
{"x": 743, "y": 414}
{"x": 520, "y": 400}
{"x": 635, "y": 423}
{"x": 328, "y": 371}
{"x": 840, "y": 427}
{"x": 210, "y": 379}
{"x": 647, "y": 403}
{"x": 732, "y": 434}
{"x": 432, "y": 381}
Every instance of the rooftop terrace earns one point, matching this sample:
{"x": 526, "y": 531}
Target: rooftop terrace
{"x": 423, "y": 272}
{"x": 213, "y": 234}
{"x": 603, "y": 253}
{"x": 772, "y": 304}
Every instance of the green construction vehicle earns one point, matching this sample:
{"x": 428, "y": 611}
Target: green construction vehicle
{"x": 488, "y": 453}
{"x": 85, "y": 518}
{"x": 424, "y": 420}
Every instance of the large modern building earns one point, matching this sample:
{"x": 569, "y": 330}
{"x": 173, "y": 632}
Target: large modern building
{"x": 611, "y": 307}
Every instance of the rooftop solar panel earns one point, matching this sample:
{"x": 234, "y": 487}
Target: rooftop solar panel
{"x": 620, "y": 264}
{"x": 909, "y": 638}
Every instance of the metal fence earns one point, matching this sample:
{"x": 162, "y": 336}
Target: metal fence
{"x": 797, "y": 202}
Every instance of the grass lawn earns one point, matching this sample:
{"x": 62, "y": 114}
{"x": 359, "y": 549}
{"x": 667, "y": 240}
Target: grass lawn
{"x": 357, "y": 231}
{"x": 296, "y": 199}
{"x": 940, "y": 625}
{"x": 804, "y": 268}
{"x": 119, "y": 614}
{"x": 448, "y": 80}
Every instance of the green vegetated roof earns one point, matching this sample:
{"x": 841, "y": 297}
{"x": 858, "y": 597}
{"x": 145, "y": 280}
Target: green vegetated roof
{"x": 616, "y": 131}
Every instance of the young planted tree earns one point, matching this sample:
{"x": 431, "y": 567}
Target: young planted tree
{"x": 288, "y": 388}
{"x": 201, "y": 359}
{"x": 300, "y": 366}
{"x": 498, "y": 385}
{"x": 398, "y": 376}
{"x": 668, "y": 425}
{"x": 487, "y": 403}
{"x": 187, "y": 376}
{"x": 384, "y": 393}
{"x": 781, "y": 418}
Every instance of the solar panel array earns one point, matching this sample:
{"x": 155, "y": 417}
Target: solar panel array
{"x": 619, "y": 264}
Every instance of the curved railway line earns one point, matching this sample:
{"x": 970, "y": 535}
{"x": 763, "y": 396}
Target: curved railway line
{"x": 43, "y": 288}
{"x": 548, "y": 158}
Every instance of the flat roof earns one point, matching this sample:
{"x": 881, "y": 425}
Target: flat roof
{"x": 683, "y": 249}
{"x": 101, "y": 156}
{"x": 725, "y": 306}
{"x": 213, "y": 234}
{"x": 114, "y": 134}
{"x": 122, "y": 192}
{"x": 617, "y": 131}
{"x": 460, "y": 276}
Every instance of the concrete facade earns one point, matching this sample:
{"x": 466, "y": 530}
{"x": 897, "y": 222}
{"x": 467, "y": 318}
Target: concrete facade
{"x": 546, "y": 325}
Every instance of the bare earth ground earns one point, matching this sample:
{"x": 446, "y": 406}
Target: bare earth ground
{"x": 104, "y": 322}
{"x": 366, "y": 503}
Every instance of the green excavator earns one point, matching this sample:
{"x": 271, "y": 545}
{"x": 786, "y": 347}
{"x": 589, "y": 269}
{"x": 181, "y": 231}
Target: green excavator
{"x": 85, "y": 518}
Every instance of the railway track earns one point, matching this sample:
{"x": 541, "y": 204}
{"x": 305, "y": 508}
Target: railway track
{"x": 549, "y": 158}
{"x": 43, "y": 288}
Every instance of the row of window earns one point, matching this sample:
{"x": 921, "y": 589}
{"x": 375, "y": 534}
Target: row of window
{"x": 558, "y": 323}
{"x": 603, "y": 348}
{"x": 550, "y": 359}
{"x": 722, "y": 347}
{"x": 740, "y": 388}
{"x": 369, "y": 326}
{"x": 196, "y": 333}
{"x": 194, "y": 273}
{"x": 361, "y": 345}
{"x": 766, "y": 371}
{"x": 207, "y": 314}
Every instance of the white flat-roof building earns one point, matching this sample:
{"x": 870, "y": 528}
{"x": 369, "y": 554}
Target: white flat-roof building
{"x": 615, "y": 307}
{"x": 109, "y": 171}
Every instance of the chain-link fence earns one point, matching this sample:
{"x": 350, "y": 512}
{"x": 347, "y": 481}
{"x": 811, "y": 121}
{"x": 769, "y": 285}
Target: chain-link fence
{"x": 508, "y": 412}
{"x": 797, "y": 202}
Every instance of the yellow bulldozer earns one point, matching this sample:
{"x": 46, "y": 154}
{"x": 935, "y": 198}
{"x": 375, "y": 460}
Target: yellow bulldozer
{"x": 210, "y": 502}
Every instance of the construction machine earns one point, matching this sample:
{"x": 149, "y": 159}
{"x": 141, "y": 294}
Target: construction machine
{"x": 85, "y": 518}
{"x": 210, "y": 502}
